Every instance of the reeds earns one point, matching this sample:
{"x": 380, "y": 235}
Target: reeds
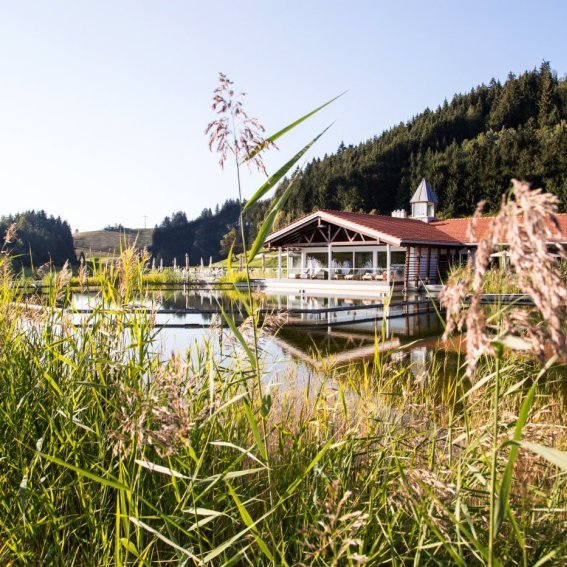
{"x": 112, "y": 456}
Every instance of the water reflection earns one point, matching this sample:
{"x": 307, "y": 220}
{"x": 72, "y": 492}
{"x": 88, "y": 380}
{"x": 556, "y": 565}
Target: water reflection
{"x": 319, "y": 331}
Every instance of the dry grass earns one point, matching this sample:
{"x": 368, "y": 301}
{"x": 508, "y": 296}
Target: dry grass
{"x": 108, "y": 244}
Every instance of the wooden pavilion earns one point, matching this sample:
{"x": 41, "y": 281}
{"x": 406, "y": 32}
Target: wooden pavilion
{"x": 397, "y": 250}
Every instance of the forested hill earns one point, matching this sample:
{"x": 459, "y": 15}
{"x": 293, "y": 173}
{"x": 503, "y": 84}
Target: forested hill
{"x": 468, "y": 149}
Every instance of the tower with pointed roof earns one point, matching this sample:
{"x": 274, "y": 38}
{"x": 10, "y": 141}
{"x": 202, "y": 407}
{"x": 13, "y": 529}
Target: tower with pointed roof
{"x": 423, "y": 202}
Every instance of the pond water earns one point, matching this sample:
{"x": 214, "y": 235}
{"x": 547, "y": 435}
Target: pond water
{"x": 318, "y": 332}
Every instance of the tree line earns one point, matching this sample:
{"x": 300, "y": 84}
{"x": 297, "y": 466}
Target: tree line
{"x": 210, "y": 235}
{"x": 38, "y": 239}
{"x": 468, "y": 149}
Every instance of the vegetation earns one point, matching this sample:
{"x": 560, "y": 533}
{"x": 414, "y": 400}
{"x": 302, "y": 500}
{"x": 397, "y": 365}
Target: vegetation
{"x": 200, "y": 238}
{"x": 109, "y": 242}
{"x": 468, "y": 148}
{"x": 38, "y": 239}
{"x": 112, "y": 455}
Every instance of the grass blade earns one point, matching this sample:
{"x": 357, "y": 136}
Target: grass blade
{"x": 105, "y": 481}
{"x": 554, "y": 456}
{"x": 266, "y": 227}
{"x": 504, "y": 494}
{"x": 250, "y": 523}
{"x": 288, "y": 128}
{"x": 273, "y": 179}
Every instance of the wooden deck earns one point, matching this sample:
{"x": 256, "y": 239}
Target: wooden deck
{"x": 330, "y": 288}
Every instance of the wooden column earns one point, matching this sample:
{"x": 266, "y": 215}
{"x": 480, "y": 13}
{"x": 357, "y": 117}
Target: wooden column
{"x": 329, "y": 260}
{"x": 428, "y": 264}
{"x": 280, "y": 262}
{"x": 388, "y": 264}
{"x": 406, "y": 274}
{"x": 418, "y": 270}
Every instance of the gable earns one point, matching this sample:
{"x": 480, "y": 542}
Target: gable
{"x": 320, "y": 231}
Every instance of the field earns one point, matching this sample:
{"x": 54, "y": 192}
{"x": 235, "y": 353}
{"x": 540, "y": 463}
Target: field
{"x": 106, "y": 243}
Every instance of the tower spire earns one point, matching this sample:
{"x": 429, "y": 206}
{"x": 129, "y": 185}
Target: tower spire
{"x": 423, "y": 202}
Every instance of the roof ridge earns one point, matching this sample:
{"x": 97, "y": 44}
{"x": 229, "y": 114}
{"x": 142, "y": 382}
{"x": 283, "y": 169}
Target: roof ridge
{"x": 369, "y": 215}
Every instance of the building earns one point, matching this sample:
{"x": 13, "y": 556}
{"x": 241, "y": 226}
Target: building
{"x": 375, "y": 251}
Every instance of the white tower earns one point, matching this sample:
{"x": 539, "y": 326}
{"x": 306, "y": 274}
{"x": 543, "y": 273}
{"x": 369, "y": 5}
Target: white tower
{"x": 423, "y": 203}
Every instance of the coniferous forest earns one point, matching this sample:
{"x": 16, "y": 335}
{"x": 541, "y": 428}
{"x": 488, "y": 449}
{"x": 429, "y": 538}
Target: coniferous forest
{"x": 468, "y": 149}
{"x": 38, "y": 239}
{"x": 200, "y": 238}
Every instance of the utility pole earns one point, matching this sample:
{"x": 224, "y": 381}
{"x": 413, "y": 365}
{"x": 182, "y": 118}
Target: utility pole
{"x": 145, "y": 219}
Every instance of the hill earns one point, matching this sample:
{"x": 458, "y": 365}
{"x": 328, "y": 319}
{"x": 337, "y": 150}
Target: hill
{"x": 468, "y": 149}
{"x": 98, "y": 243}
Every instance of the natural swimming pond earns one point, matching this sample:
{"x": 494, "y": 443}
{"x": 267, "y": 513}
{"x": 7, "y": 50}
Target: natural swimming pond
{"x": 317, "y": 332}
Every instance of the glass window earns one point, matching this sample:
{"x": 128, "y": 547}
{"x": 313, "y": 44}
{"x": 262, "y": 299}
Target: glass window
{"x": 296, "y": 261}
{"x": 342, "y": 263}
{"x": 395, "y": 258}
{"x": 363, "y": 262}
{"x": 419, "y": 209}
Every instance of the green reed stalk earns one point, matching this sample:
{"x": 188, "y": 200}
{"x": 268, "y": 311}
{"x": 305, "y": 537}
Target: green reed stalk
{"x": 494, "y": 462}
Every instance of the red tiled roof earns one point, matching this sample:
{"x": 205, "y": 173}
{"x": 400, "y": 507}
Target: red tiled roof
{"x": 458, "y": 228}
{"x": 405, "y": 230}
{"x": 412, "y": 231}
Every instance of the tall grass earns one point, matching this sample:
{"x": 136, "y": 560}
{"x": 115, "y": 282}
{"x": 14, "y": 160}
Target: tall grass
{"x": 112, "y": 455}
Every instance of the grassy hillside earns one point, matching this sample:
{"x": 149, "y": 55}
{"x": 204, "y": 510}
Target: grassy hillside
{"x": 98, "y": 243}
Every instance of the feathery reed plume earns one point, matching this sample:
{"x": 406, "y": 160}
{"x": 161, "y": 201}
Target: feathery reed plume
{"x": 62, "y": 280}
{"x": 82, "y": 275}
{"x": 525, "y": 224}
{"x": 10, "y": 233}
{"x": 163, "y": 415}
{"x": 43, "y": 270}
{"x": 234, "y": 131}
{"x": 335, "y": 540}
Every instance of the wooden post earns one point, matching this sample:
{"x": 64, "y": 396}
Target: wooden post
{"x": 428, "y": 264}
{"x": 187, "y": 261}
{"x": 406, "y": 274}
{"x": 388, "y": 264}
{"x": 329, "y": 260}
{"x": 418, "y": 270}
{"x": 354, "y": 264}
{"x": 280, "y": 262}
{"x": 263, "y": 262}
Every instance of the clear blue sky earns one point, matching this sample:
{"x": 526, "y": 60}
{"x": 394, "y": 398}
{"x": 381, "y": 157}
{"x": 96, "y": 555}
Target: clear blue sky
{"x": 103, "y": 105}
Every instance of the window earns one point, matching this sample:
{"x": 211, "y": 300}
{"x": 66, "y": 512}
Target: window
{"x": 419, "y": 209}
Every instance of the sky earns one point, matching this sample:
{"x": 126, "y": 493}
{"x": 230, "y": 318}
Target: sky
{"x": 103, "y": 105}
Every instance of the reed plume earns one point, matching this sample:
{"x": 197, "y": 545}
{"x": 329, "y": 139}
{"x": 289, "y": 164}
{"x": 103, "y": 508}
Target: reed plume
{"x": 527, "y": 227}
